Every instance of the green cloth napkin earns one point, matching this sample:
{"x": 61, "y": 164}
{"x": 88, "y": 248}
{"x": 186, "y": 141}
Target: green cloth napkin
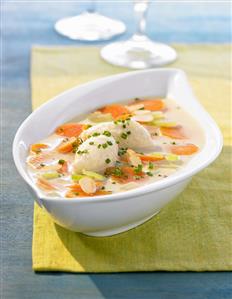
{"x": 194, "y": 231}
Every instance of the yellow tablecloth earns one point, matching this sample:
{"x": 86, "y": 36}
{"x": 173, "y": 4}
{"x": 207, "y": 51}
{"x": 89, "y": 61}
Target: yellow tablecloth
{"x": 193, "y": 232}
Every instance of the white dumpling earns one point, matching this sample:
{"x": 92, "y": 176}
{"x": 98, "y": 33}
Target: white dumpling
{"x": 96, "y": 154}
{"x": 99, "y": 128}
{"x": 135, "y": 136}
{"x": 128, "y": 134}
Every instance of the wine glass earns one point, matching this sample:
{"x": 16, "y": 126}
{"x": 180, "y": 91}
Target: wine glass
{"x": 89, "y": 26}
{"x": 139, "y": 51}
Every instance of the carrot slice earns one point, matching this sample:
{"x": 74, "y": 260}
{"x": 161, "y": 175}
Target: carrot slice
{"x": 187, "y": 149}
{"x": 43, "y": 184}
{"x": 71, "y": 194}
{"x": 150, "y": 158}
{"x": 123, "y": 174}
{"x": 152, "y": 105}
{"x": 69, "y": 146}
{"x": 64, "y": 167}
{"x": 173, "y": 132}
{"x": 36, "y": 148}
{"x": 70, "y": 130}
{"x": 76, "y": 190}
{"x": 65, "y": 148}
{"x": 123, "y": 116}
{"x": 115, "y": 110}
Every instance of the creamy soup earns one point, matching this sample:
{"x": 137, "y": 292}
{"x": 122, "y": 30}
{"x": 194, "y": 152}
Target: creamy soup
{"x": 117, "y": 148}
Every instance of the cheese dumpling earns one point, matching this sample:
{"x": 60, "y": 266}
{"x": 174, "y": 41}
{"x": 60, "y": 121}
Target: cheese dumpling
{"x": 96, "y": 154}
{"x": 128, "y": 133}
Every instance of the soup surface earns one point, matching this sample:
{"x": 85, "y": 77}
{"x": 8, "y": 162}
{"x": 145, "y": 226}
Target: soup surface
{"x": 114, "y": 149}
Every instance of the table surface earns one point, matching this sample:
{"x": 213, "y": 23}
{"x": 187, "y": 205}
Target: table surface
{"x": 23, "y": 24}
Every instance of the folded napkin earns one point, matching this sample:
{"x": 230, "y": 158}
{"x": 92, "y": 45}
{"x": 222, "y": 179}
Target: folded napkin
{"x": 193, "y": 232}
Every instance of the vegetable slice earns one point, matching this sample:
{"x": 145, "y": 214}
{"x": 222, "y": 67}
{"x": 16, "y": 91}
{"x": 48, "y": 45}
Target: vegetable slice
{"x": 115, "y": 110}
{"x": 94, "y": 175}
{"x": 151, "y": 157}
{"x": 69, "y": 146}
{"x": 70, "y": 129}
{"x": 45, "y": 185}
{"x": 51, "y": 175}
{"x": 64, "y": 166}
{"x": 36, "y": 148}
{"x": 173, "y": 132}
{"x": 88, "y": 185}
{"x": 187, "y": 149}
{"x": 152, "y": 105}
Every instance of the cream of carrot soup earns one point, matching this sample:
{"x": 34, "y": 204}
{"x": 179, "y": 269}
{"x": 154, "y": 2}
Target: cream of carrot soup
{"x": 114, "y": 149}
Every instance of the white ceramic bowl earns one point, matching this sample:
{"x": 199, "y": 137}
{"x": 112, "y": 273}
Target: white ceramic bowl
{"x": 111, "y": 214}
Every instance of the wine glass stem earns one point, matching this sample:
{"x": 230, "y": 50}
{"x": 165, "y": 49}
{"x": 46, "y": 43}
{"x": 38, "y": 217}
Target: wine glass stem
{"x": 92, "y": 7}
{"x": 140, "y": 9}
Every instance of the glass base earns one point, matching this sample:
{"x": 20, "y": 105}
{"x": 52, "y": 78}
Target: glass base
{"x": 139, "y": 52}
{"x": 89, "y": 27}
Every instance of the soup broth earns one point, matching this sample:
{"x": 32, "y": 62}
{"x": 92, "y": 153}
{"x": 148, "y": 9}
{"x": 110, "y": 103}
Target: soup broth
{"x": 117, "y": 148}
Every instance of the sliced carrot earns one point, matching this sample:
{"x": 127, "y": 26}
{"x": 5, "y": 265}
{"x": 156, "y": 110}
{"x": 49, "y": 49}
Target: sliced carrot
{"x": 36, "y": 148}
{"x": 152, "y": 105}
{"x": 64, "y": 167}
{"x": 71, "y": 194}
{"x": 173, "y": 132}
{"x": 187, "y": 149}
{"x": 123, "y": 174}
{"x": 75, "y": 190}
{"x": 70, "y": 129}
{"x": 115, "y": 110}
{"x": 68, "y": 146}
{"x": 151, "y": 158}
{"x": 45, "y": 185}
{"x": 123, "y": 116}
{"x": 65, "y": 148}
{"x": 36, "y": 161}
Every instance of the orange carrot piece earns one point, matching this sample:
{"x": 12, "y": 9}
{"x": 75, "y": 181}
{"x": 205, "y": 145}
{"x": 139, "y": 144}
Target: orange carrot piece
{"x": 115, "y": 110}
{"x": 45, "y": 185}
{"x": 71, "y": 194}
{"x": 152, "y": 105}
{"x": 173, "y": 132}
{"x": 64, "y": 167}
{"x": 127, "y": 174}
{"x": 123, "y": 116}
{"x": 150, "y": 158}
{"x": 36, "y": 148}
{"x": 187, "y": 149}
{"x": 65, "y": 148}
{"x": 70, "y": 130}
{"x": 75, "y": 190}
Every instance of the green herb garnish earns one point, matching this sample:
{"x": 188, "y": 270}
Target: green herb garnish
{"x": 138, "y": 169}
{"x": 107, "y": 161}
{"x": 107, "y": 133}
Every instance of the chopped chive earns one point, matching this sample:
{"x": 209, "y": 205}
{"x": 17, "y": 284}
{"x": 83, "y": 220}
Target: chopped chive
{"x": 99, "y": 145}
{"x": 138, "y": 168}
{"x": 96, "y": 134}
{"x": 104, "y": 145}
{"x": 107, "y": 133}
{"x": 150, "y": 165}
{"x": 123, "y": 135}
{"x": 91, "y": 143}
{"x": 109, "y": 142}
{"x": 107, "y": 161}
{"x": 61, "y": 162}
{"x": 149, "y": 173}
